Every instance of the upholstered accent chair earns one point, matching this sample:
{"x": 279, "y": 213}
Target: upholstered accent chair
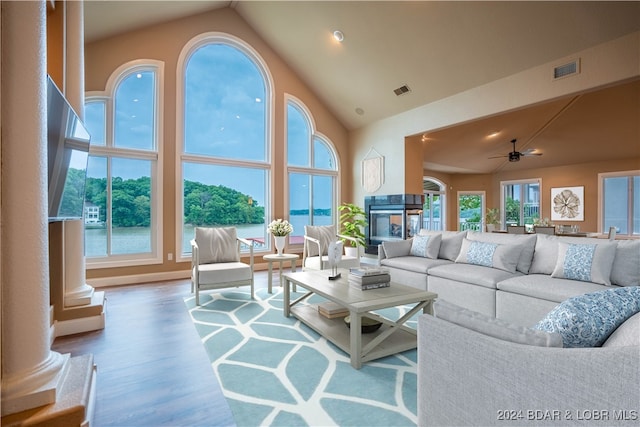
{"x": 316, "y": 248}
{"x": 216, "y": 262}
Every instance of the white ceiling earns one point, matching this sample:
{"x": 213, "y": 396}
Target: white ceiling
{"x": 436, "y": 48}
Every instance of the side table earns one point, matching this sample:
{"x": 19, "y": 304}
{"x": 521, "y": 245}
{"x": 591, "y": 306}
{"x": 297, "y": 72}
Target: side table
{"x": 280, "y": 259}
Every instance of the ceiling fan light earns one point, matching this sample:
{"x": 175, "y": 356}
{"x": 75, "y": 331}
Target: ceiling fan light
{"x": 338, "y": 36}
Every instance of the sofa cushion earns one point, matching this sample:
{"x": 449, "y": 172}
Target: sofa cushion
{"x": 627, "y": 334}
{"x": 585, "y": 262}
{"x": 217, "y": 244}
{"x": 545, "y": 255}
{"x": 626, "y": 264}
{"x": 494, "y": 327}
{"x": 547, "y": 288}
{"x": 396, "y": 248}
{"x": 474, "y": 274}
{"x": 588, "y": 320}
{"x": 504, "y": 257}
{"x": 527, "y": 243}
{"x": 450, "y": 243}
{"x": 426, "y": 246}
{"x": 413, "y": 263}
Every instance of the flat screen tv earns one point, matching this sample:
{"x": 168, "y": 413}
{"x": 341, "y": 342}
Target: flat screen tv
{"x": 67, "y": 155}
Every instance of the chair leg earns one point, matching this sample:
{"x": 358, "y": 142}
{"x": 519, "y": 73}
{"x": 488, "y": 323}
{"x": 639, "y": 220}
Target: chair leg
{"x": 252, "y": 292}
{"x": 197, "y": 296}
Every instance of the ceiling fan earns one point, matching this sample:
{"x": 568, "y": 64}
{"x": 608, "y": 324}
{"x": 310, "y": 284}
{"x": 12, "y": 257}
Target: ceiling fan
{"x": 514, "y": 156}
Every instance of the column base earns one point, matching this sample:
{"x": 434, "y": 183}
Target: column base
{"x": 75, "y": 400}
{"x": 79, "y": 296}
{"x": 85, "y": 318}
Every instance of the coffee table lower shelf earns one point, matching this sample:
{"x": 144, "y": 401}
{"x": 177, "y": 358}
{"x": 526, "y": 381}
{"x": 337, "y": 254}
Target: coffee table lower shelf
{"x": 337, "y": 332}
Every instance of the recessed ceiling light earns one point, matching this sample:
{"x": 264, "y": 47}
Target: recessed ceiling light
{"x": 337, "y": 34}
{"x": 359, "y": 111}
{"x": 493, "y": 134}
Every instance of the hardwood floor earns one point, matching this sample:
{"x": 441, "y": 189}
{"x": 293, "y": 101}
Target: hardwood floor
{"x": 152, "y": 368}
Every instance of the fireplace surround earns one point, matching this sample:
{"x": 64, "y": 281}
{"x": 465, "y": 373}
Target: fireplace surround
{"x": 392, "y": 217}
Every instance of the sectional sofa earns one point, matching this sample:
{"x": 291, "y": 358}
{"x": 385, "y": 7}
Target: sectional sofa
{"x": 513, "y": 277}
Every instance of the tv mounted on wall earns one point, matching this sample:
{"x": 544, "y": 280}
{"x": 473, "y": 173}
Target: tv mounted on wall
{"x": 67, "y": 155}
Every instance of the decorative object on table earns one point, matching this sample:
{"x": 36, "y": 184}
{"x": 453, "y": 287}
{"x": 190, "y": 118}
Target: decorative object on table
{"x": 492, "y": 219}
{"x": 372, "y": 171}
{"x": 353, "y": 220}
{"x": 280, "y": 229}
{"x": 367, "y": 324}
{"x": 331, "y": 310}
{"x": 369, "y": 278}
{"x": 567, "y": 204}
{"x": 335, "y": 255}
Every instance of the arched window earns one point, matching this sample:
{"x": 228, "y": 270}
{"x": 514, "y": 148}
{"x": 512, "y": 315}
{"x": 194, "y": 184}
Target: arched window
{"x": 123, "y": 203}
{"x": 224, "y": 110}
{"x": 312, "y": 170}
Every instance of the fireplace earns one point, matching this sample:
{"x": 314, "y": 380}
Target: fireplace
{"x": 393, "y": 217}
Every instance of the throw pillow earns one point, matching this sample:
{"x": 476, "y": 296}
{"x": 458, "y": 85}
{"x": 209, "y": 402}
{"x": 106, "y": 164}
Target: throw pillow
{"x": 587, "y": 262}
{"x": 527, "y": 241}
{"x": 396, "y": 248}
{"x": 493, "y": 327}
{"x": 324, "y": 233}
{"x": 626, "y": 264}
{"x": 450, "y": 244}
{"x": 625, "y": 335}
{"x": 587, "y": 320}
{"x": 426, "y": 246}
{"x": 503, "y": 257}
{"x": 217, "y": 244}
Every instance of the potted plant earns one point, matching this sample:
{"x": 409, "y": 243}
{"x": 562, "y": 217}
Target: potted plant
{"x": 492, "y": 219}
{"x": 353, "y": 219}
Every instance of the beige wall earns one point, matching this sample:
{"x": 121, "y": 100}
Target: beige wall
{"x": 164, "y": 43}
{"x": 565, "y": 176}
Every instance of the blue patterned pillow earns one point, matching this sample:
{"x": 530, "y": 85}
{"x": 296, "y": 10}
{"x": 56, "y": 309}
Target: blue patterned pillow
{"x": 588, "y": 320}
{"x": 488, "y": 254}
{"x": 426, "y": 246}
{"x": 585, "y": 262}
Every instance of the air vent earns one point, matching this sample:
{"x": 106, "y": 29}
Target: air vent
{"x": 566, "y": 70}
{"x": 402, "y": 90}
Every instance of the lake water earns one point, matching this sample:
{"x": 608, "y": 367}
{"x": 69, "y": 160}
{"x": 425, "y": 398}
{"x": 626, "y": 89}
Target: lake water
{"x": 129, "y": 240}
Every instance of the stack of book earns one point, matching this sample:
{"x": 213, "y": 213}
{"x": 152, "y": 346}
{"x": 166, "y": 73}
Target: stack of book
{"x": 369, "y": 278}
{"x": 332, "y": 310}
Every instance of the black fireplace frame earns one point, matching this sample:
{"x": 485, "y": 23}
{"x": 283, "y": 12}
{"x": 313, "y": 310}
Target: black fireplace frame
{"x": 405, "y": 204}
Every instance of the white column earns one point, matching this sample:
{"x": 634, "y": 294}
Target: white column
{"x": 74, "y": 51}
{"x": 31, "y": 372}
{"x": 76, "y": 291}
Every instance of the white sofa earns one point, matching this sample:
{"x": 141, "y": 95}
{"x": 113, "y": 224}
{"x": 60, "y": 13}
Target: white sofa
{"x": 526, "y": 278}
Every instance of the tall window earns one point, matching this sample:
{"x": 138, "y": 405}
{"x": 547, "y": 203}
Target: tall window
{"x": 312, "y": 171}
{"x": 124, "y": 169}
{"x": 620, "y": 202}
{"x": 471, "y": 207}
{"x": 520, "y": 202}
{"x": 224, "y": 132}
{"x": 433, "y": 216}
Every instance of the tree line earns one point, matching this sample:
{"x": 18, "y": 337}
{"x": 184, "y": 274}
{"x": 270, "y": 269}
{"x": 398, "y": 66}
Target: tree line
{"x": 204, "y": 205}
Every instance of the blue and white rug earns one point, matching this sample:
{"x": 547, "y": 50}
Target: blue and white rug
{"x": 276, "y": 371}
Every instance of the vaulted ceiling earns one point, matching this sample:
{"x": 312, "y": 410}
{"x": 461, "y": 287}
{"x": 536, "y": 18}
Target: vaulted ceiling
{"x": 437, "y": 49}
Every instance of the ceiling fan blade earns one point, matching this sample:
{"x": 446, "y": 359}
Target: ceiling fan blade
{"x": 496, "y": 157}
{"x": 530, "y": 154}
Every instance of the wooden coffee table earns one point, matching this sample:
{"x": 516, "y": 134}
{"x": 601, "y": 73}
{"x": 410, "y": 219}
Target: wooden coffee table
{"x": 393, "y": 337}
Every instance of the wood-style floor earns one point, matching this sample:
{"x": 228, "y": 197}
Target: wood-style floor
{"x": 152, "y": 368}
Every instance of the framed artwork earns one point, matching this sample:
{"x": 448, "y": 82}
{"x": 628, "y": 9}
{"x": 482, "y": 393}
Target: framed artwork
{"x": 567, "y": 204}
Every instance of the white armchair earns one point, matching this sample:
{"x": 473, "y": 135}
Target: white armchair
{"x": 316, "y": 248}
{"x": 215, "y": 260}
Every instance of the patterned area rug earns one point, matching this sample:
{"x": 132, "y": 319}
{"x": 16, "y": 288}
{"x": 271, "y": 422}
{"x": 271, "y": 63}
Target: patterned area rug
{"x": 277, "y": 371}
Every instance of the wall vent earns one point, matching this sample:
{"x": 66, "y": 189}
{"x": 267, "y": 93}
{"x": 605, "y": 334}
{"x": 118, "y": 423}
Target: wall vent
{"x": 566, "y": 70}
{"x": 402, "y": 90}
